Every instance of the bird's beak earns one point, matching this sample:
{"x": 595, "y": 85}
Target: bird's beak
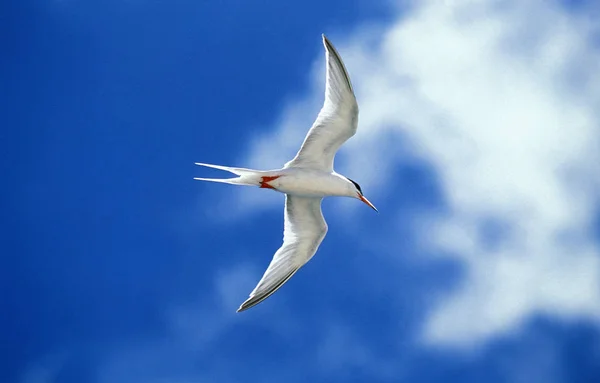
{"x": 365, "y": 200}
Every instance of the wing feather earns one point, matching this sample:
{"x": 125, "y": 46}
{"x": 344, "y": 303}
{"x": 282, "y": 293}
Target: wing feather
{"x": 304, "y": 230}
{"x": 337, "y": 121}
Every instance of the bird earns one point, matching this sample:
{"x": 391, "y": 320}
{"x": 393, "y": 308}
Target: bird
{"x": 306, "y": 180}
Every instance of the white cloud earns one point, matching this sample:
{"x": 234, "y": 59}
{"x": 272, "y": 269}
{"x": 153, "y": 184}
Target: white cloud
{"x": 203, "y": 323}
{"x": 500, "y": 98}
{"x": 339, "y": 351}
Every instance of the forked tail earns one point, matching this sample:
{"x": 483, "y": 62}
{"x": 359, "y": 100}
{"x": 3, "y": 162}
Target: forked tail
{"x": 245, "y": 176}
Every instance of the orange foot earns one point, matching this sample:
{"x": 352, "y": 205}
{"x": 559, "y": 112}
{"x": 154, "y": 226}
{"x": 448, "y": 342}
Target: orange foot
{"x": 264, "y": 182}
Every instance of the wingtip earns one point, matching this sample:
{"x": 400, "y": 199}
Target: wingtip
{"x": 326, "y": 41}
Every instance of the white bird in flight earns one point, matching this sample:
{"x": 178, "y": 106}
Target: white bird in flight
{"x": 306, "y": 179}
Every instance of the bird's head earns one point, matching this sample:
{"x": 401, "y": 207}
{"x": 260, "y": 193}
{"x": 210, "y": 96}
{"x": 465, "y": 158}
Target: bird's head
{"x": 356, "y": 192}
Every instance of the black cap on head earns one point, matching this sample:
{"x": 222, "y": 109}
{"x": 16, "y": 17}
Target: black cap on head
{"x": 355, "y": 184}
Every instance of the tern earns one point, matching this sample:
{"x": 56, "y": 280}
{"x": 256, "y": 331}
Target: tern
{"x": 306, "y": 179}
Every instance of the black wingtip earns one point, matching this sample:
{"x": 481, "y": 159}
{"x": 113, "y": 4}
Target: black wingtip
{"x": 332, "y": 51}
{"x": 249, "y": 303}
{"x": 245, "y": 306}
{"x": 256, "y": 299}
{"x": 326, "y": 41}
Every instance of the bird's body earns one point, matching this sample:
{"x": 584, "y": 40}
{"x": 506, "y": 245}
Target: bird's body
{"x": 310, "y": 183}
{"x": 303, "y": 182}
{"x": 306, "y": 179}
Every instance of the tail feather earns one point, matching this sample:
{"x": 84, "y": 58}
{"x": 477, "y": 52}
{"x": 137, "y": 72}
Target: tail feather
{"x": 233, "y": 181}
{"x": 246, "y": 176}
{"x": 236, "y": 171}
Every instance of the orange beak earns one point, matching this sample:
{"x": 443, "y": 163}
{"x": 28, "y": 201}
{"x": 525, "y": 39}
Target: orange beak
{"x": 365, "y": 200}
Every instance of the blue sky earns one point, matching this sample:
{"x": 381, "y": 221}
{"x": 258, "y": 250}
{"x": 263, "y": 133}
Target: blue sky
{"x": 477, "y": 142}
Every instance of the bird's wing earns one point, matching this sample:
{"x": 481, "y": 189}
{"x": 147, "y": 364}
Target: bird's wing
{"x": 304, "y": 229}
{"x": 337, "y": 120}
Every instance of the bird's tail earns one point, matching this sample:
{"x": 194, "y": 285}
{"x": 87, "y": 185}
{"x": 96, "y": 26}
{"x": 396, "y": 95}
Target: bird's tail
{"x": 245, "y": 176}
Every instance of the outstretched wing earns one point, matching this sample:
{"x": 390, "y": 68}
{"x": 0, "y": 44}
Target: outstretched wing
{"x": 304, "y": 229}
{"x": 337, "y": 120}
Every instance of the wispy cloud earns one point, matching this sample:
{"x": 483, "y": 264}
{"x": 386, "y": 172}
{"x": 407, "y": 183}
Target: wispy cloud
{"x": 500, "y": 100}
{"x": 198, "y": 335}
{"x": 45, "y": 370}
